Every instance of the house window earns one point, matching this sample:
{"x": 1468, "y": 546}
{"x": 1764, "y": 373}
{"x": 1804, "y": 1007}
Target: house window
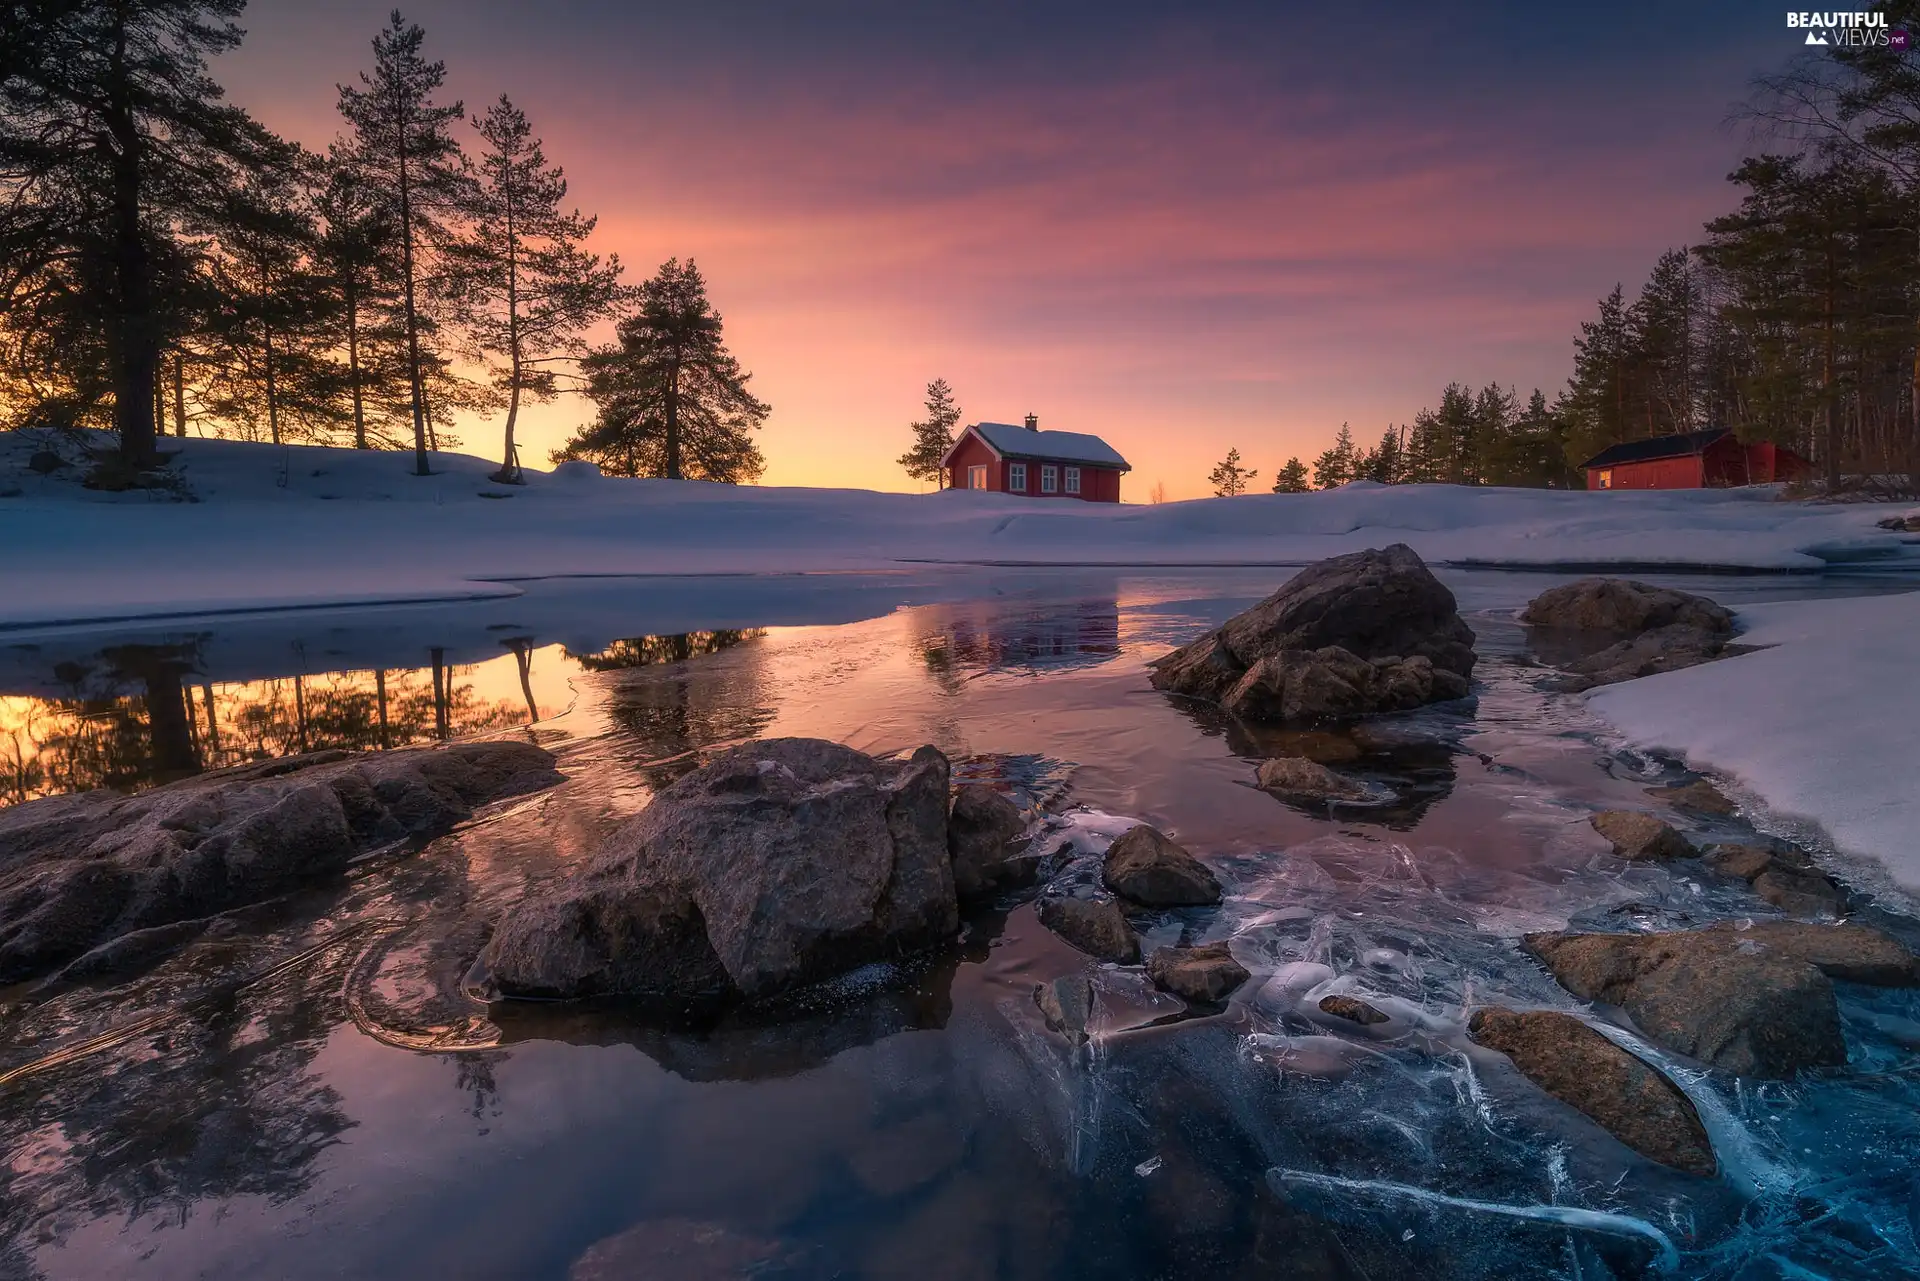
{"x": 1606, "y": 478}
{"x": 1016, "y": 478}
{"x": 977, "y": 476}
{"x": 1049, "y": 479}
{"x": 1073, "y": 480}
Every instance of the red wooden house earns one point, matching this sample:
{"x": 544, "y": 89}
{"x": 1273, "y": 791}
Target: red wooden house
{"x": 1043, "y": 464}
{"x": 1711, "y": 459}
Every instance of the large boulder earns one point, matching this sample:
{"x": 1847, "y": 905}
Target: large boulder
{"x": 1625, "y": 1095}
{"x": 777, "y": 864}
{"x": 78, "y": 872}
{"x": 1755, "y": 1001}
{"x": 1144, "y": 867}
{"x": 1366, "y": 632}
{"x": 1603, "y": 630}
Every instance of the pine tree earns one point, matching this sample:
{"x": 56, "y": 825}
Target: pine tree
{"x": 1291, "y": 479}
{"x": 673, "y": 401}
{"x": 1228, "y": 477}
{"x": 524, "y": 286}
{"x": 932, "y": 436}
{"x": 357, "y": 264}
{"x": 1598, "y": 403}
{"x": 1383, "y": 463}
{"x": 115, "y": 147}
{"x": 1339, "y": 463}
{"x": 1665, "y": 332}
{"x": 404, "y": 145}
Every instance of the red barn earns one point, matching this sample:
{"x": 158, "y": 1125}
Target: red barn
{"x": 1711, "y": 459}
{"x": 1043, "y": 464}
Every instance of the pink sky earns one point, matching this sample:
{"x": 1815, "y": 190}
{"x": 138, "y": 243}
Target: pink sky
{"x": 1176, "y": 248}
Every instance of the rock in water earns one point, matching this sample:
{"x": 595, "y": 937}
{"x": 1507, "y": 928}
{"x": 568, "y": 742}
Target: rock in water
{"x": 1623, "y": 606}
{"x": 1755, "y": 1001}
{"x": 777, "y": 864}
{"x": 1067, "y": 1005}
{"x": 1699, "y": 796}
{"x": 1095, "y": 926}
{"x": 1301, "y": 779}
{"x": 1352, "y": 1009}
{"x": 1145, "y": 867}
{"x": 77, "y": 872}
{"x": 1366, "y": 632}
{"x": 1638, "y": 836}
{"x": 982, "y": 835}
{"x": 1205, "y": 975}
{"x": 1657, "y": 629}
{"x": 1622, "y": 1093}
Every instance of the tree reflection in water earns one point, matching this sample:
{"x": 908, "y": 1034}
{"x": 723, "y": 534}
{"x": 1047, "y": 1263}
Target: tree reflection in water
{"x": 671, "y": 708}
{"x": 142, "y": 715}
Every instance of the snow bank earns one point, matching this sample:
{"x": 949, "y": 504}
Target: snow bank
{"x": 1823, "y": 726}
{"x": 277, "y": 527}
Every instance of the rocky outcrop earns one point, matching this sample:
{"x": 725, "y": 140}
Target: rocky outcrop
{"x": 1637, "y": 836}
{"x": 1095, "y": 926}
{"x": 1625, "y": 1095}
{"x": 1204, "y": 975}
{"x": 1366, "y": 632}
{"x": 1299, "y": 779}
{"x": 1755, "y": 1001}
{"x": 1144, "y": 867}
{"x": 777, "y": 864}
{"x": 983, "y": 838}
{"x": 79, "y": 872}
{"x": 1640, "y": 629}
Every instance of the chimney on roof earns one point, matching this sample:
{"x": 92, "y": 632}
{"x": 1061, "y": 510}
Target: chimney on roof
{"x": 1033, "y": 422}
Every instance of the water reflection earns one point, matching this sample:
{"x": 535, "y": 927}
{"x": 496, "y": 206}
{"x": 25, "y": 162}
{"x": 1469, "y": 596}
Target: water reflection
{"x": 1000, "y": 635}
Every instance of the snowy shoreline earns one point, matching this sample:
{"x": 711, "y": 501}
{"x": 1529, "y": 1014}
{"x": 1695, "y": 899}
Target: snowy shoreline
{"x": 277, "y": 527}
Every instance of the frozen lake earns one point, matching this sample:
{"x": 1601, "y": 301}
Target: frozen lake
{"x": 311, "y": 1095}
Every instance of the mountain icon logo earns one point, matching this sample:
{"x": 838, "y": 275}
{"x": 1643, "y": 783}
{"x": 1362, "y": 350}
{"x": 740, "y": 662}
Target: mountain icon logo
{"x": 1814, "y": 37}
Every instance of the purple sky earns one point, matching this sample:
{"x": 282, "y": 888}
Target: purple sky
{"x": 1182, "y": 228}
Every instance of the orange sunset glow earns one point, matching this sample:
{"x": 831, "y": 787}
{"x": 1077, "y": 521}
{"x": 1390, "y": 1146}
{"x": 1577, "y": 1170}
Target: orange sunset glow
{"x": 1180, "y": 236}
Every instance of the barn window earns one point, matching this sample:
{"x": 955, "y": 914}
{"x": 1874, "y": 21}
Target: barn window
{"x": 1073, "y": 480}
{"x": 1606, "y": 478}
{"x": 1049, "y": 479}
{"x": 1017, "y": 478}
{"x": 977, "y": 476}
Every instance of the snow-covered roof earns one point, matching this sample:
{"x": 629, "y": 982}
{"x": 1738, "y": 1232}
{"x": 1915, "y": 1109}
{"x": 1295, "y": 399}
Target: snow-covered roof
{"x": 1010, "y": 441}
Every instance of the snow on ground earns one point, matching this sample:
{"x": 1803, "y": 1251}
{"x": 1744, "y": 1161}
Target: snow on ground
{"x": 302, "y": 526}
{"x": 1823, "y": 726}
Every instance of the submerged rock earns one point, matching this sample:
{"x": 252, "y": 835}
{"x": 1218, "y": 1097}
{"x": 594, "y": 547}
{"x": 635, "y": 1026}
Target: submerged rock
{"x": 1095, "y": 926}
{"x": 983, "y": 834}
{"x": 1301, "y": 779}
{"x": 1637, "y": 836}
{"x": 1784, "y": 877}
{"x": 1366, "y": 632}
{"x": 1205, "y": 975}
{"x": 680, "y": 1249}
{"x": 1652, "y": 629}
{"x": 1699, "y": 796}
{"x": 77, "y": 872}
{"x": 1755, "y": 1001}
{"x": 777, "y": 864}
{"x": 1626, "y": 1096}
{"x": 1145, "y": 867}
{"x": 1067, "y": 1005}
{"x": 1352, "y": 1009}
